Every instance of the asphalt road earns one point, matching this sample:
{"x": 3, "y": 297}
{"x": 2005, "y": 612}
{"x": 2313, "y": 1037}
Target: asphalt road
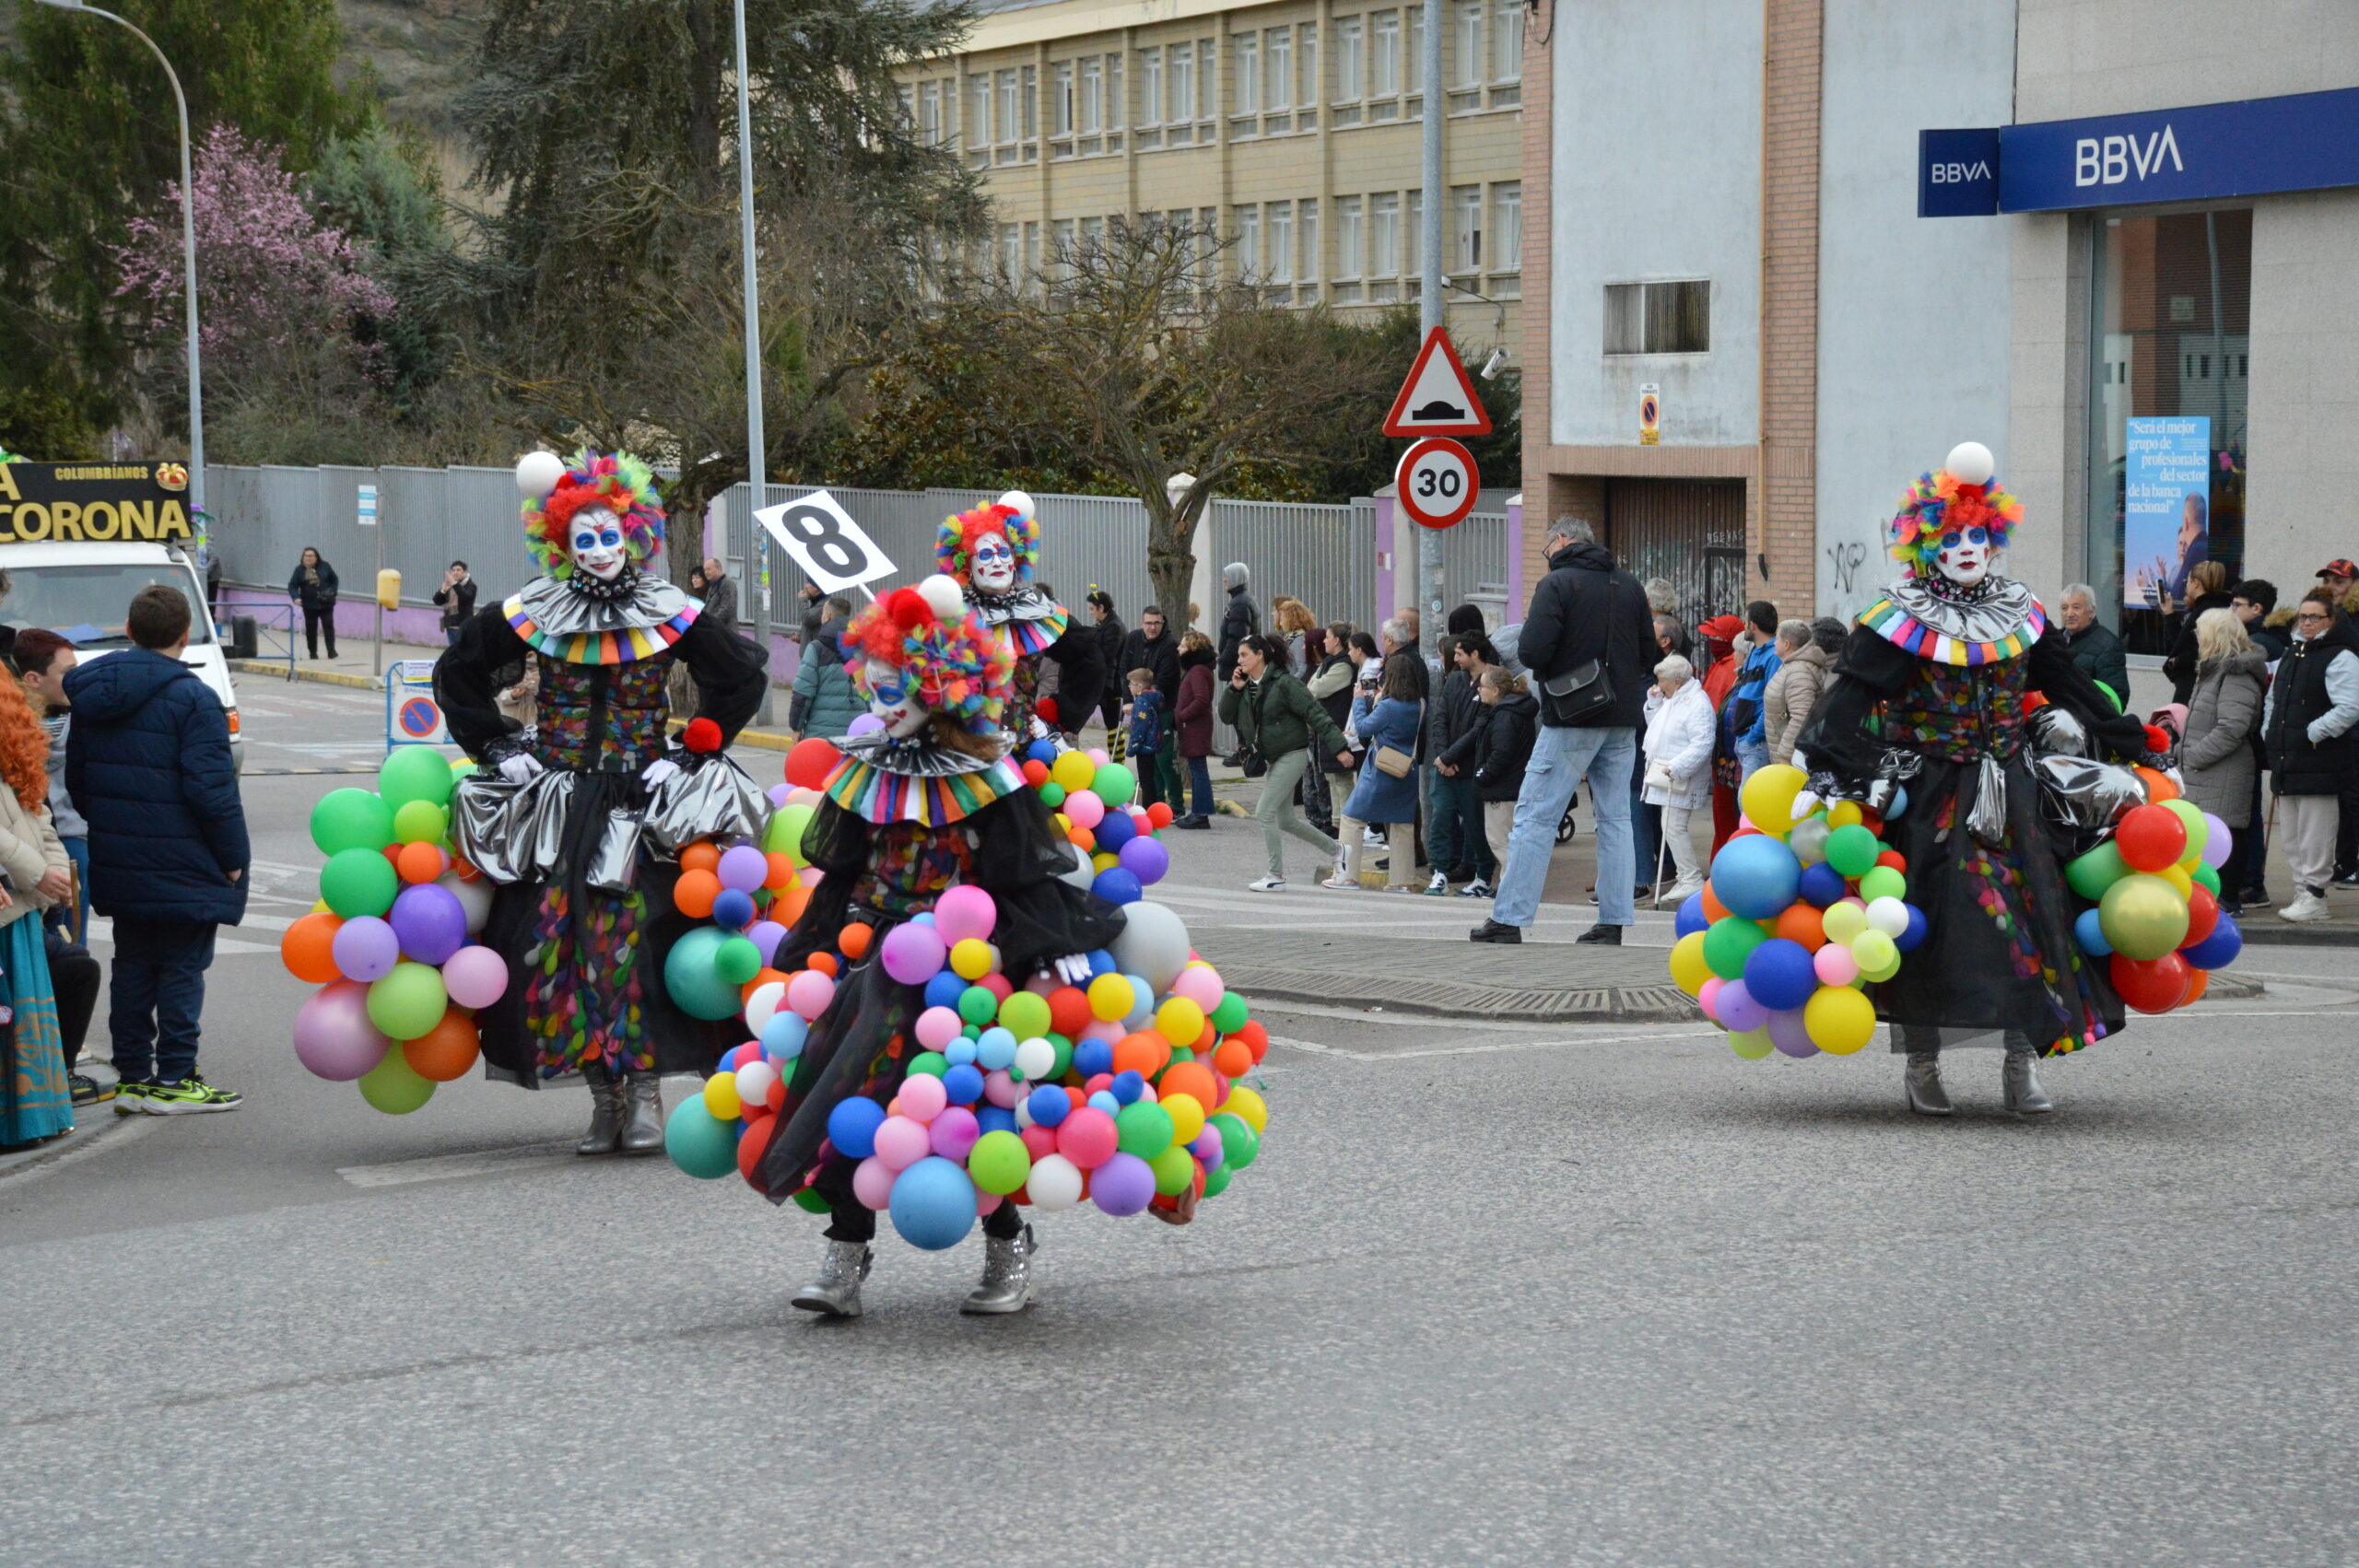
{"x": 1490, "y": 1295}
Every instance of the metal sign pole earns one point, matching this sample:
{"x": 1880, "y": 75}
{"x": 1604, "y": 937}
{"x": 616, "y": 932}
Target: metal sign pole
{"x": 1431, "y": 314}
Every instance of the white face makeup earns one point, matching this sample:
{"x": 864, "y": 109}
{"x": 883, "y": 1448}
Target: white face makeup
{"x": 895, "y": 704}
{"x": 1966, "y": 555}
{"x": 596, "y": 540}
{"x": 992, "y": 564}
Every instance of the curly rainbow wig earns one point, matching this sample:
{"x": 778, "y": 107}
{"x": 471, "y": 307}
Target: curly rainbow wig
{"x": 954, "y": 545}
{"x": 618, "y": 482}
{"x": 960, "y": 670}
{"x": 1940, "y": 503}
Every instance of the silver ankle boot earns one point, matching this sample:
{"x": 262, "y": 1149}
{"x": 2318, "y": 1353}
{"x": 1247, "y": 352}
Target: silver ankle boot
{"x": 1921, "y": 1082}
{"x": 837, "y": 1290}
{"x": 606, "y": 1112}
{"x": 643, "y": 1105}
{"x": 2020, "y": 1078}
{"x": 1007, "y": 1275}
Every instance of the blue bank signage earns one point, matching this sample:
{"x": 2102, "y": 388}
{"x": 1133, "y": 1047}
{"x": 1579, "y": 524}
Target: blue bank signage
{"x": 2253, "y": 148}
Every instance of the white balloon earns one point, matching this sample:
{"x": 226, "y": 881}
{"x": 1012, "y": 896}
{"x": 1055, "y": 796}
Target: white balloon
{"x": 1034, "y": 1058}
{"x": 1018, "y": 501}
{"x": 537, "y": 472}
{"x": 1887, "y": 915}
{"x": 1154, "y": 944}
{"x": 763, "y": 1005}
{"x": 1054, "y": 1183}
{"x": 475, "y": 897}
{"x": 754, "y": 1081}
{"x": 1971, "y": 462}
{"x": 1084, "y": 876}
{"x": 944, "y": 596}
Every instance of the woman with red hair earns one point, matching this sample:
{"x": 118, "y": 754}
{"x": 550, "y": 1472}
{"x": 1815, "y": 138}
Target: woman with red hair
{"x": 36, "y": 1101}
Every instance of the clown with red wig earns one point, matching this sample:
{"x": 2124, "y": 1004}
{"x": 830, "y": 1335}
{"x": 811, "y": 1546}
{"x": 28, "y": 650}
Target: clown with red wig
{"x": 993, "y": 554}
{"x": 575, "y": 819}
{"x": 1957, "y": 713}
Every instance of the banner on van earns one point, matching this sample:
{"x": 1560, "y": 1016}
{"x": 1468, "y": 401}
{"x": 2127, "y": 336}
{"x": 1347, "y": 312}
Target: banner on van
{"x": 117, "y": 503}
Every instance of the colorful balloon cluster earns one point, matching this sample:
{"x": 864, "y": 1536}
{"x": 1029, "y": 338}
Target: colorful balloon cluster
{"x": 1123, "y": 1093}
{"x": 1804, "y": 907}
{"x": 750, "y": 893}
{"x": 1091, "y": 795}
{"x": 389, "y": 941}
{"x": 2155, "y": 885}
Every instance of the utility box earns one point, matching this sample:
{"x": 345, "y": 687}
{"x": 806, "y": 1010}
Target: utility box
{"x": 389, "y": 588}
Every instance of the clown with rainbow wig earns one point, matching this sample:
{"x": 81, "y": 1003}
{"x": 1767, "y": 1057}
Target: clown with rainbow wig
{"x": 993, "y": 554}
{"x": 575, "y": 818}
{"x": 1957, "y": 715}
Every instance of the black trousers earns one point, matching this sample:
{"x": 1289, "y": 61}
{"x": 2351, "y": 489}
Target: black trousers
{"x": 851, "y": 1220}
{"x": 314, "y": 621}
{"x": 2346, "y": 830}
{"x": 74, "y": 980}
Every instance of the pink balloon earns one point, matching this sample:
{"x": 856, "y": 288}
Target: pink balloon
{"x": 901, "y": 1142}
{"x": 871, "y": 1183}
{"x": 1001, "y": 1089}
{"x": 953, "y": 1133}
{"x": 475, "y": 976}
{"x": 913, "y": 953}
{"x": 1200, "y": 986}
{"x": 1099, "y": 1029}
{"x": 1098, "y": 754}
{"x": 1083, "y": 809}
{"x": 1708, "y": 997}
{"x": 987, "y": 1201}
{"x": 809, "y": 993}
{"x": 963, "y": 912}
{"x": 922, "y": 1097}
{"x": 743, "y": 868}
{"x": 937, "y": 1026}
{"x": 998, "y": 985}
{"x": 1086, "y": 1137}
{"x": 333, "y": 1036}
{"x": 1835, "y": 964}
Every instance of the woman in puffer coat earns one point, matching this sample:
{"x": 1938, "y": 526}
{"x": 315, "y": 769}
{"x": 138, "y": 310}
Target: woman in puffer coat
{"x": 1380, "y": 799}
{"x": 2223, "y": 713}
{"x": 825, "y": 703}
{"x": 1679, "y": 757}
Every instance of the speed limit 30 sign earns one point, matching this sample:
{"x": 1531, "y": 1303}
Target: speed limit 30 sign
{"x": 1436, "y": 482}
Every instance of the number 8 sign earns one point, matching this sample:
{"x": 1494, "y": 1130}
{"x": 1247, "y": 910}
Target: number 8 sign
{"x": 1436, "y": 482}
{"x": 825, "y": 542}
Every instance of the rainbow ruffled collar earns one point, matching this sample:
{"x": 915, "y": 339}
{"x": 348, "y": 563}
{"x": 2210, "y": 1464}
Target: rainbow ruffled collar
{"x": 1999, "y": 621}
{"x": 1032, "y": 620}
{"x": 573, "y": 627}
{"x": 885, "y": 782}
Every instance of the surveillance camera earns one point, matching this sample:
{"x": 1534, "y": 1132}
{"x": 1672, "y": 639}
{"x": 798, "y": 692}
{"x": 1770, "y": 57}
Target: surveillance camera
{"x": 1491, "y": 366}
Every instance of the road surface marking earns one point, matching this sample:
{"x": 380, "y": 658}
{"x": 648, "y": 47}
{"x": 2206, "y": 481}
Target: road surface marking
{"x": 450, "y": 1167}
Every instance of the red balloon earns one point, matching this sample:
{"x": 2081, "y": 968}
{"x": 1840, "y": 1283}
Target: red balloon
{"x": 1035, "y": 773}
{"x": 1038, "y": 1141}
{"x": 810, "y": 762}
{"x": 1160, "y": 814}
{"x": 2150, "y": 837}
{"x": 2202, "y": 914}
{"x": 2152, "y": 985}
{"x": 752, "y": 1144}
{"x": 1069, "y": 1011}
{"x": 1895, "y": 859}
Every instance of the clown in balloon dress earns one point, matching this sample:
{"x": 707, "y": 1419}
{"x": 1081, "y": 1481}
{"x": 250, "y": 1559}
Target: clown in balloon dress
{"x": 1957, "y": 712}
{"x": 925, "y": 813}
{"x": 574, "y": 817}
{"x": 993, "y": 554}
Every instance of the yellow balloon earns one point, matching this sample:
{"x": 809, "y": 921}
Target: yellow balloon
{"x": 1843, "y": 813}
{"x": 1064, "y": 825}
{"x": 2177, "y": 876}
{"x": 1102, "y": 860}
{"x": 1839, "y": 1020}
{"x": 720, "y": 1097}
{"x": 1843, "y": 921}
{"x": 970, "y": 958}
{"x": 1768, "y": 798}
{"x": 1875, "y": 950}
{"x": 1688, "y": 970}
{"x": 1247, "y": 1106}
{"x": 1187, "y": 1116}
{"x": 1073, "y": 770}
{"x": 1110, "y": 998}
{"x": 1180, "y": 1021}
{"x": 319, "y": 907}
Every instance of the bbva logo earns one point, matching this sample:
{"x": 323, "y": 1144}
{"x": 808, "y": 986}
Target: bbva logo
{"x": 1962, "y": 174}
{"x": 2115, "y": 158}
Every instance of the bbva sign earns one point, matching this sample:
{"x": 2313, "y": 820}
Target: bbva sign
{"x": 2109, "y": 161}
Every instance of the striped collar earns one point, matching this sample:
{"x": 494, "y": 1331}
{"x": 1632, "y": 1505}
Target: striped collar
{"x": 577, "y": 629}
{"x": 870, "y": 787}
{"x": 1999, "y": 624}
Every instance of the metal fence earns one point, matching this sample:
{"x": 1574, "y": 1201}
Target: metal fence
{"x": 428, "y": 517}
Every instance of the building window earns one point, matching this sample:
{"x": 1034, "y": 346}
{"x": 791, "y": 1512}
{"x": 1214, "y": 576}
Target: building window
{"x": 910, "y": 105}
{"x": 1306, "y": 217}
{"x": 1092, "y": 105}
{"x": 1413, "y": 69}
{"x": 1280, "y": 223}
{"x": 1011, "y": 252}
{"x": 1659, "y": 318}
{"x": 930, "y": 113}
{"x": 1182, "y": 109}
{"x": 1384, "y": 235}
{"x": 1507, "y": 52}
{"x": 1466, "y": 229}
{"x": 1467, "y": 48}
{"x": 1031, "y": 99}
{"x": 1351, "y": 243}
{"x": 1248, "y": 241}
{"x": 1279, "y": 52}
{"x": 1150, "y": 87}
{"x": 1507, "y": 226}
{"x": 1010, "y": 116}
{"x": 1351, "y": 60}
{"x": 1114, "y": 95}
{"x": 1413, "y": 253}
{"x": 1384, "y": 56}
{"x": 1062, "y": 249}
{"x": 1031, "y": 249}
{"x": 1247, "y": 48}
{"x": 1306, "y": 37}
{"x": 1061, "y": 107}
{"x": 1207, "y": 67}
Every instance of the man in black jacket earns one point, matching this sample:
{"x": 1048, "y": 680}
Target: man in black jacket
{"x": 2096, "y": 647}
{"x": 1459, "y": 851}
{"x": 1240, "y": 620}
{"x": 1151, "y": 648}
{"x": 1588, "y": 632}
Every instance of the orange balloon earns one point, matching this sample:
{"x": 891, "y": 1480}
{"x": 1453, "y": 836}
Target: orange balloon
{"x": 825, "y": 962}
{"x": 420, "y": 862}
{"x": 1083, "y": 839}
{"x": 308, "y": 947}
{"x": 1190, "y": 1078}
{"x": 448, "y": 1050}
{"x": 2195, "y": 991}
{"x": 466, "y": 872}
{"x": 787, "y": 908}
{"x": 1143, "y": 1053}
{"x": 781, "y": 871}
{"x": 703, "y": 855}
{"x": 852, "y": 940}
{"x": 1234, "y": 1059}
{"x": 1800, "y": 923}
{"x": 2159, "y": 786}
{"x": 1256, "y": 1038}
{"x": 1713, "y": 908}
{"x": 696, "y": 889}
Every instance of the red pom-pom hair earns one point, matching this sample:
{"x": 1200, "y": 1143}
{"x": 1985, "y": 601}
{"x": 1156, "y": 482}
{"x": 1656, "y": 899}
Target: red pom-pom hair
{"x": 954, "y": 545}
{"x": 701, "y": 735}
{"x": 958, "y": 668}
{"x": 618, "y": 482}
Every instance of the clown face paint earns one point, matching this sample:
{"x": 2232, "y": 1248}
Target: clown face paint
{"x": 895, "y": 703}
{"x": 1966, "y": 555}
{"x": 595, "y": 542}
{"x": 992, "y": 564}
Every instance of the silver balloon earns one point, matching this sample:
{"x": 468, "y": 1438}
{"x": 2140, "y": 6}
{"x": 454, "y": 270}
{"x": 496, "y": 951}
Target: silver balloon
{"x": 1808, "y": 840}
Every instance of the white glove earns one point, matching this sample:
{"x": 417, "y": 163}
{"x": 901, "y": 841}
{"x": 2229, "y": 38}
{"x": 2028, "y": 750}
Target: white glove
{"x": 1073, "y": 970}
{"x": 663, "y": 768}
{"x": 520, "y": 768}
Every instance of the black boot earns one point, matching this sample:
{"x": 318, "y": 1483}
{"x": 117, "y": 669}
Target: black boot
{"x": 606, "y": 1111}
{"x": 1498, "y": 932}
{"x": 1601, "y": 935}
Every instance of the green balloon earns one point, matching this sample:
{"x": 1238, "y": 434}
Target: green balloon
{"x": 736, "y": 960}
{"x": 1217, "y": 1180}
{"x": 408, "y": 1001}
{"x": 1852, "y": 850}
{"x": 1065, "y": 1058}
{"x": 1753, "y": 1045}
{"x": 811, "y": 1202}
{"x": 999, "y": 1163}
{"x": 1231, "y": 1014}
{"x": 1239, "y": 1144}
{"x": 929, "y": 1064}
{"x": 1175, "y": 1170}
{"x": 358, "y": 882}
{"x": 1114, "y": 784}
{"x": 700, "y": 1143}
{"x": 2205, "y": 877}
{"x": 420, "y": 822}
{"x": 691, "y": 980}
{"x": 1052, "y": 794}
{"x": 1143, "y": 1129}
{"x": 977, "y": 1005}
{"x": 786, "y": 832}
{"x": 1727, "y": 941}
{"x": 1883, "y": 882}
{"x": 1026, "y": 1013}
{"x": 351, "y": 819}
{"x": 2143, "y": 917}
{"x": 393, "y": 1086}
{"x": 414, "y": 773}
{"x": 2091, "y": 874}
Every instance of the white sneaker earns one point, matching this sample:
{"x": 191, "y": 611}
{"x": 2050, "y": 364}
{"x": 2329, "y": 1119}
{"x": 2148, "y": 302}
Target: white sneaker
{"x": 1440, "y": 883}
{"x": 2307, "y": 907}
{"x": 1337, "y": 882}
{"x": 1373, "y": 839}
{"x": 1267, "y": 885}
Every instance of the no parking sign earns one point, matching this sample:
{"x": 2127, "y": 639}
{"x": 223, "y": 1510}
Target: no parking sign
{"x": 412, "y": 716}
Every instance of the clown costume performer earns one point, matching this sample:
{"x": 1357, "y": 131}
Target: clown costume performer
{"x": 927, "y": 802}
{"x": 1957, "y": 712}
{"x": 994, "y": 553}
{"x": 569, "y": 816}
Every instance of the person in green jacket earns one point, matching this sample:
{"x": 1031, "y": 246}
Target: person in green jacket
{"x": 1278, "y": 720}
{"x": 825, "y": 704}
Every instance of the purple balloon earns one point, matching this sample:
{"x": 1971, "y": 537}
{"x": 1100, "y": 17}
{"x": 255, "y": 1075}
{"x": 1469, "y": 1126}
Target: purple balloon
{"x": 1122, "y": 1185}
{"x": 2217, "y": 842}
{"x": 913, "y": 953}
{"x": 744, "y": 867}
{"x": 864, "y": 724}
{"x": 778, "y": 793}
{"x": 333, "y": 1036}
{"x": 430, "y": 922}
{"x": 765, "y": 935}
{"x": 1145, "y": 859}
{"x": 1739, "y": 1014}
{"x": 366, "y": 949}
{"x": 1208, "y": 1147}
{"x": 1786, "y": 1033}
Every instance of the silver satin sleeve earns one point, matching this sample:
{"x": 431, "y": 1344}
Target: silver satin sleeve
{"x": 1988, "y": 821}
{"x": 516, "y": 832}
{"x": 512, "y": 832}
{"x": 711, "y": 798}
{"x": 2082, "y": 794}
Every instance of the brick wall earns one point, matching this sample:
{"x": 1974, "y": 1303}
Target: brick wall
{"x": 1784, "y": 526}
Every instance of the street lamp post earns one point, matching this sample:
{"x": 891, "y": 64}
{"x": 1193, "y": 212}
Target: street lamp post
{"x": 756, "y": 470}
{"x": 188, "y": 247}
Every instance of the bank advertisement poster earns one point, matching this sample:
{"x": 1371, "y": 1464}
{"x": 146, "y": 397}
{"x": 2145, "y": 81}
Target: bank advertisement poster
{"x": 2166, "y": 506}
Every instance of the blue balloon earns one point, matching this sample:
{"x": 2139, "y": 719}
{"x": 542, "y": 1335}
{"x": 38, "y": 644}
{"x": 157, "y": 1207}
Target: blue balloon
{"x": 926, "y": 918}
{"x": 1128, "y": 1087}
{"x": 1691, "y": 917}
{"x": 851, "y": 1127}
{"x": 944, "y": 989}
{"x": 1104, "y": 1101}
{"x": 1909, "y": 940}
{"x": 732, "y": 910}
{"x": 934, "y": 1204}
{"x": 1091, "y": 1058}
{"x": 1821, "y": 887}
{"x": 783, "y": 1036}
{"x": 996, "y": 1050}
{"x": 1118, "y": 886}
{"x": 995, "y": 1118}
{"x": 1115, "y": 830}
{"x": 1100, "y": 962}
{"x": 730, "y": 1059}
{"x": 1777, "y": 975}
{"x": 964, "y": 1084}
{"x": 1755, "y": 876}
{"x": 2220, "y": 948}
{"x": 2089, "y": 931}
{"x": 1899, "y": 803}
{"x": 959, "y": 1052}
{"x": 1049, "y": 1106}
{"x": 1041, "y": 752}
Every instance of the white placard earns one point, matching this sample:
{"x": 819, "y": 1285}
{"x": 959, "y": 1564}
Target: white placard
{"x": 368, "y": 506}
{"x": 833, "y": 550}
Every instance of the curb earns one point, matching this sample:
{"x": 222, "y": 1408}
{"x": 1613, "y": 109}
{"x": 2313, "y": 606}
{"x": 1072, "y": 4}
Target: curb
{"x": 321, "y": 677}
{"x": 2282, "y": 933}
{"x": 1665, "y": 1003}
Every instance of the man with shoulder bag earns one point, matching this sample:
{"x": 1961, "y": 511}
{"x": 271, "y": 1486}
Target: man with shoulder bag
{"x": 1587, "y": 640}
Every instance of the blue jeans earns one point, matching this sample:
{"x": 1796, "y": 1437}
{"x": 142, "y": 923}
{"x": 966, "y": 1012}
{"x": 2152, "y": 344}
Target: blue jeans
{"x": 451, "y": 635}
{"x": 158, "y": 996}
{"x": 1199, "y": 786}
{"x": 1645, "y": 826}
{"x": 1751, "y": 757}
{"x": 1560, "y": 759}
{"x": 1456, "y": 843}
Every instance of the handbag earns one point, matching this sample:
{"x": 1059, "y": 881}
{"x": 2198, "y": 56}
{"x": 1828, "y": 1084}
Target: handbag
{"x": 1395, "y": 763}
{"x": 1578, "y": 695}
{"x": 1252, "y": 763}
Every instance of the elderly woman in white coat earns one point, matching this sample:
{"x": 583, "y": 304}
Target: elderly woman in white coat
{"x": 1678, "y": 764}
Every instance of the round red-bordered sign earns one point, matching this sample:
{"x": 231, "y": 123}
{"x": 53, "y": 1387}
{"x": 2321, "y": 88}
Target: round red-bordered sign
{"x": 1436, "y": 482}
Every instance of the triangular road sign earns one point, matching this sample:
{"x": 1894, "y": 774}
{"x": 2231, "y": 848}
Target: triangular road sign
{"x": 1438, "y": 397}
